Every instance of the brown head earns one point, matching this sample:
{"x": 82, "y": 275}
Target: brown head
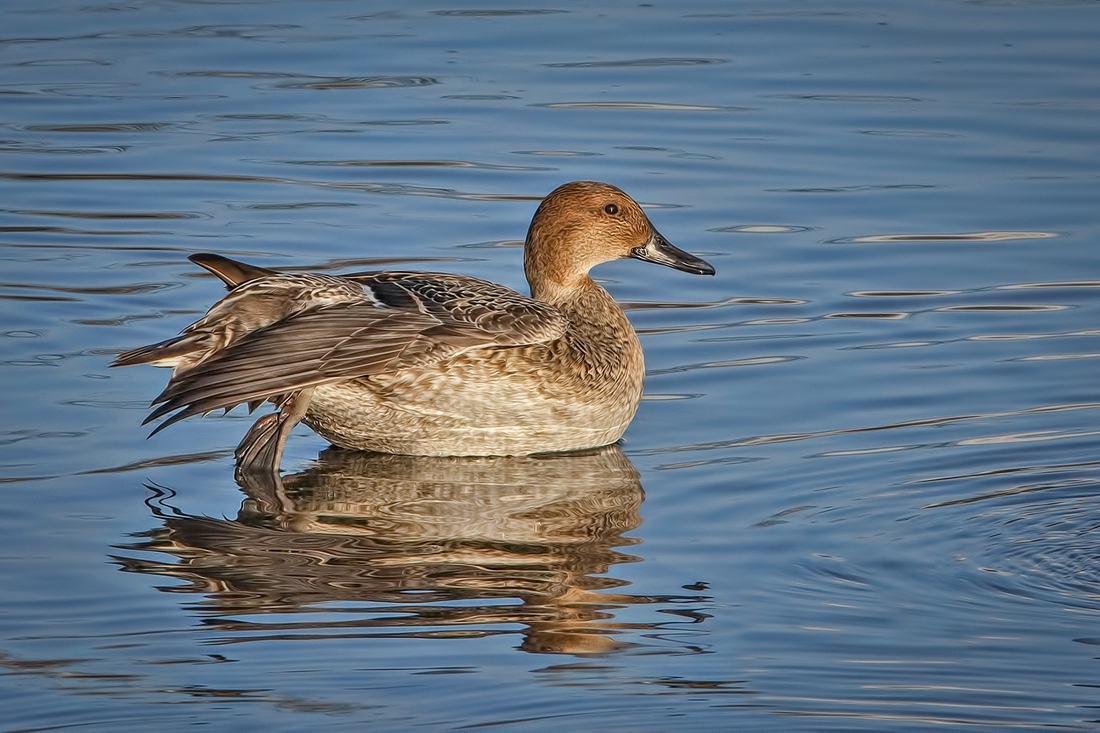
{"x": 583, "y": 223}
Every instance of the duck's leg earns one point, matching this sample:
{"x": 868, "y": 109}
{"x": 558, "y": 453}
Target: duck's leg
{"x": 261, "y": 450}
{"x": 266, "y": 497}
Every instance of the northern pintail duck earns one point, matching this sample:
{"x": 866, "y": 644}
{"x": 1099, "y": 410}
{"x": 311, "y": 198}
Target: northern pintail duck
{"x": 428, "y": 363}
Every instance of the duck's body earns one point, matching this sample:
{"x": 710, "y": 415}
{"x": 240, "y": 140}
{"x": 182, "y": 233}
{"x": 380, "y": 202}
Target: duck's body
{"x": 552, "y": 395}
{"x": 429, "y": 363}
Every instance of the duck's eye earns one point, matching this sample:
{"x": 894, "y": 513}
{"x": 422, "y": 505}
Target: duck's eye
{"x": 611, "y": 209}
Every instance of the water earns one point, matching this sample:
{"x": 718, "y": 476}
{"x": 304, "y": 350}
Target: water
{"x": 861, "y": 494}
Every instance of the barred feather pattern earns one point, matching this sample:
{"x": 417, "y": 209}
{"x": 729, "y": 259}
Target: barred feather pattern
{"x": 282, "y": 333}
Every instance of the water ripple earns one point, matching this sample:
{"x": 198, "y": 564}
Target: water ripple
{"x": 497, "y": 13}
{"x": 1034, "y": 436}
{"x": 851, "y": 189}
{"x": 640, "y": 305}
{"x": 1001, "y": 308}
{"x": 901, "y": 293}
{"x": 481, "y": 97}
{"x": 752, "y": 361}
{"x": 308, "y": 81}
{"x": 133, "y": 289}
{"x": 763, "y": 229}
{"x": 659, "y": 106}
{"x": 936, "y": 134}
{"x": 644, "y": 63}
{"x": 847, "y": 98}
{"x": 515, "y": 243}
{"x": 177, "y": 460}
{"x": 385, "y": 189}
{"x": 105, "y": 127}
{"x": 112, "y": 214}
{"x": 949, "y": 237}
{"x": 19, "y": 146}
{"x": 415, "y": 164}
{"x": 358, "y": 262}
{"x": 361, "y": 82}
{"x": 1057, "y": 357}
{"x": 1056, "y": 285}
{"x": 1044, "y": 521}
{"x": 70, "y": 230}
{"x": 878, "y": 316}
{"x": 869, "y": 315}
{"x": 904, "y": 425}
{"x": 558, "y": 153}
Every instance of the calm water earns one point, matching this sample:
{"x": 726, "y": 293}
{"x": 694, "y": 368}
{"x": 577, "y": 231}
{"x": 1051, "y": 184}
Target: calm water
{"x": 863, "y": 492}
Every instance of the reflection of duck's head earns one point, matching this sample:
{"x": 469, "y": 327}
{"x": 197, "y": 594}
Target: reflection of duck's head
{"x": 381, "y": 528}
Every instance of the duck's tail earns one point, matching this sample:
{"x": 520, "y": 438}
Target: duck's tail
{"x": 194, "y": 345}
{"x": 230, "y": 272}
{"x": 179, "y": 352}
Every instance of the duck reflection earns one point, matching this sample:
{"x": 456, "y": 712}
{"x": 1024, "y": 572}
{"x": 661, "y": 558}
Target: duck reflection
{"x": 434, "y": 544}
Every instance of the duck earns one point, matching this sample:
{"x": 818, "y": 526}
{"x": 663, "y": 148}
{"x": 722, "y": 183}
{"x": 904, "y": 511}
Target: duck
{"x": 427, "y": 363}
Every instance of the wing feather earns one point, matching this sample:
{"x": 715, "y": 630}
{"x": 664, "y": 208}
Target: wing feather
{"x": 406, "y": 320}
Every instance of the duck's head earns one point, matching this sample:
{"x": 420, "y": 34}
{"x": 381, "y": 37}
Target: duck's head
{"x": 583, "y": 223}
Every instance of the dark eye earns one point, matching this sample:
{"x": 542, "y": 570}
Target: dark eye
{"x": 611, "y": 209}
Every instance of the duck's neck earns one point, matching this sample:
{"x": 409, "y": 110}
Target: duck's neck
{"x": 556, "y": 277}
{"x": 569, "y": 288}
{"x": 578, "y": 292}
{"x": 561, "y": 294}
{"x": 592, "y": 312}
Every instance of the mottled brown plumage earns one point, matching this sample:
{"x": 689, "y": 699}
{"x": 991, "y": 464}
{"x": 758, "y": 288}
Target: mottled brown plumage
{"x": 428, "y": 363}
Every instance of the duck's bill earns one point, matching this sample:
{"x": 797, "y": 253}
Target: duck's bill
{"x": 662, "y": 252}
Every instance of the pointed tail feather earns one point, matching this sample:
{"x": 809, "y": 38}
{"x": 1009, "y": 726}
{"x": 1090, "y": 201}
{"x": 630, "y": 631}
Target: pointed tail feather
{"x": 165, "y": 353}
{"x": 231, "y": 272}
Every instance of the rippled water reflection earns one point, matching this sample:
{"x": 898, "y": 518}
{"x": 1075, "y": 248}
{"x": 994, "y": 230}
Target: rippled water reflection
{"x": 412, "y": 536}
{"x": 868, "y": 446}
